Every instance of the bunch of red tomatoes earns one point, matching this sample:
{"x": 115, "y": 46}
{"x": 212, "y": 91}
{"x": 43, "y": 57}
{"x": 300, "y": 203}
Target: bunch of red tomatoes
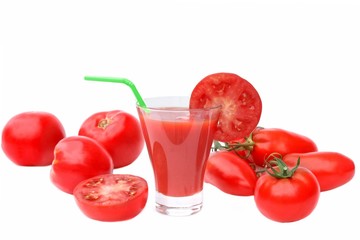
{"x": 283, "y": 170}
{"x": 83, "y": 165}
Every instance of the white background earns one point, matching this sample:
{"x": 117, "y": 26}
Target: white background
{"x": 302, "y": 57}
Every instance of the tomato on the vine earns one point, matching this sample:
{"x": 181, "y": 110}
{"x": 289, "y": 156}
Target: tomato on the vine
{"x": 332, "y": 169}
{"x": 264, "y": 141}
{"x": 77, "y": 158}
{"x": 240, "y": 102}
{"x": 112, "y": 197}
{"x": 286, "y": 195}
{"x": 29, "y": 138}
{"x": 230, "y": 173}
{"x": 118, "y": 132}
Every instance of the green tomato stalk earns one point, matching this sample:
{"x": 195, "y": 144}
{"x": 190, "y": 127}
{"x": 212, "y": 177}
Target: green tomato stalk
{"x": 277, "y": 168}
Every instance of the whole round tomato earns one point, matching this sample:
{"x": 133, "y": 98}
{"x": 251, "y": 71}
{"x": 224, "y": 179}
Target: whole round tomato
{"x": 112, "y": 197}
{"x": 118, "y": 132}
{"x": 288, "y": 195}
{"x": 29, "y": 138}
{"x": 332, "y": 169}
{"x": 240, "y": 103}
{"x": 265, "y": 141}
{"x": 230, "y": 173}
{"x": 77, "y": 158}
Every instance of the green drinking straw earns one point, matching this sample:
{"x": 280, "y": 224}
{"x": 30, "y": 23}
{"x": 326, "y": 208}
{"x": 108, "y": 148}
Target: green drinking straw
{"x": 120, "y": 80}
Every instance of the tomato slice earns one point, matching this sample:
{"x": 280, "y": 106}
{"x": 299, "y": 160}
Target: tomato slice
{"x": 240, "y": 101}
{"x": 112, "y": 197}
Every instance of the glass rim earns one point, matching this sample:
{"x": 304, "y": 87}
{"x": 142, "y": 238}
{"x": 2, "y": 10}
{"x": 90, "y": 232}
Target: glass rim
{"x": 182, "y": 109}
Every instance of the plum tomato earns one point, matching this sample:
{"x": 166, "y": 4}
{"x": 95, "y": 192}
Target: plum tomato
{"x": 286, "y": 195}
{"x": 118, "y": 132}
{"x": 262, "y": 142}
{"x": 240, "y": 102}
{"x": 29, "y": 138}
{"x": 230, "y": 173}
{"x": 77, "y": 158}
{"x": 112, "y": 197}
{"x": 332, "y": 169}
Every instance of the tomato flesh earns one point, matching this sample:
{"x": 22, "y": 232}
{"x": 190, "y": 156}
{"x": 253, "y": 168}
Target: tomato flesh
{"x": 112, "y": 197}
{"x": 240, "y": 102}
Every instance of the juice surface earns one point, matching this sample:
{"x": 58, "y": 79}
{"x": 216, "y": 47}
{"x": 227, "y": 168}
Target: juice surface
{"x": 178, "y": 150}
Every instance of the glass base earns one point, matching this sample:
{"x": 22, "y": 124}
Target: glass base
{"x": 178, "y": 206}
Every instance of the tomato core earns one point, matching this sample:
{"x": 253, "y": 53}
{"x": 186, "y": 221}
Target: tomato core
{"x": 104, "y": 123}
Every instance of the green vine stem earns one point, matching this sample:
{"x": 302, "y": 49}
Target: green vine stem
{"x": 274, "y": 164}
{"x": 277, "y": 168}
{"x": 246, "y": 145}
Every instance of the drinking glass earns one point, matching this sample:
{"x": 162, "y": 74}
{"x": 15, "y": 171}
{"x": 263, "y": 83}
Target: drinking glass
{"x": 178, "y": 141}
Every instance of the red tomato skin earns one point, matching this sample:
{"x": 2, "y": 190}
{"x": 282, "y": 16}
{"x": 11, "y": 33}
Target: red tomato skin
{"x": 29, "y": 138}
{"x": 121, "y": 135}
{"x": 289, "y": 199}
{"x": 77, "y": 158}
{"x": 114, "y": 211}
{"x": 276, "y": 140}
{"x": 230, "y": 173}
{"x": 332, "y": 169}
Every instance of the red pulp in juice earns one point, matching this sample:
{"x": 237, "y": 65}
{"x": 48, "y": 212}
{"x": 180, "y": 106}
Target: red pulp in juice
{"x": 178, "y": 150}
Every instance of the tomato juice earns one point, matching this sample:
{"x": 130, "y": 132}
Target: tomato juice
{"x": 178, "y": 141}
{"x": 178, "y": 151}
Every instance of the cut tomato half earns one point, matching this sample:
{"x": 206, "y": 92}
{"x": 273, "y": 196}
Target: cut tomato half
{"x": 112, "y": 197}
{"x": 241, "y": 104}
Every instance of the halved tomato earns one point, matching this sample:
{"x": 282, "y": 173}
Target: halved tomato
{"x": 240, "y": 101}
{"x": 112, "y": 197}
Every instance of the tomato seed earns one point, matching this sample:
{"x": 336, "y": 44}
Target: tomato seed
{"x": 132, "y": 191}
{"x": 123, "y": 180}
{"x": 92, "y": 196}
{"x": 94, "y": 182}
